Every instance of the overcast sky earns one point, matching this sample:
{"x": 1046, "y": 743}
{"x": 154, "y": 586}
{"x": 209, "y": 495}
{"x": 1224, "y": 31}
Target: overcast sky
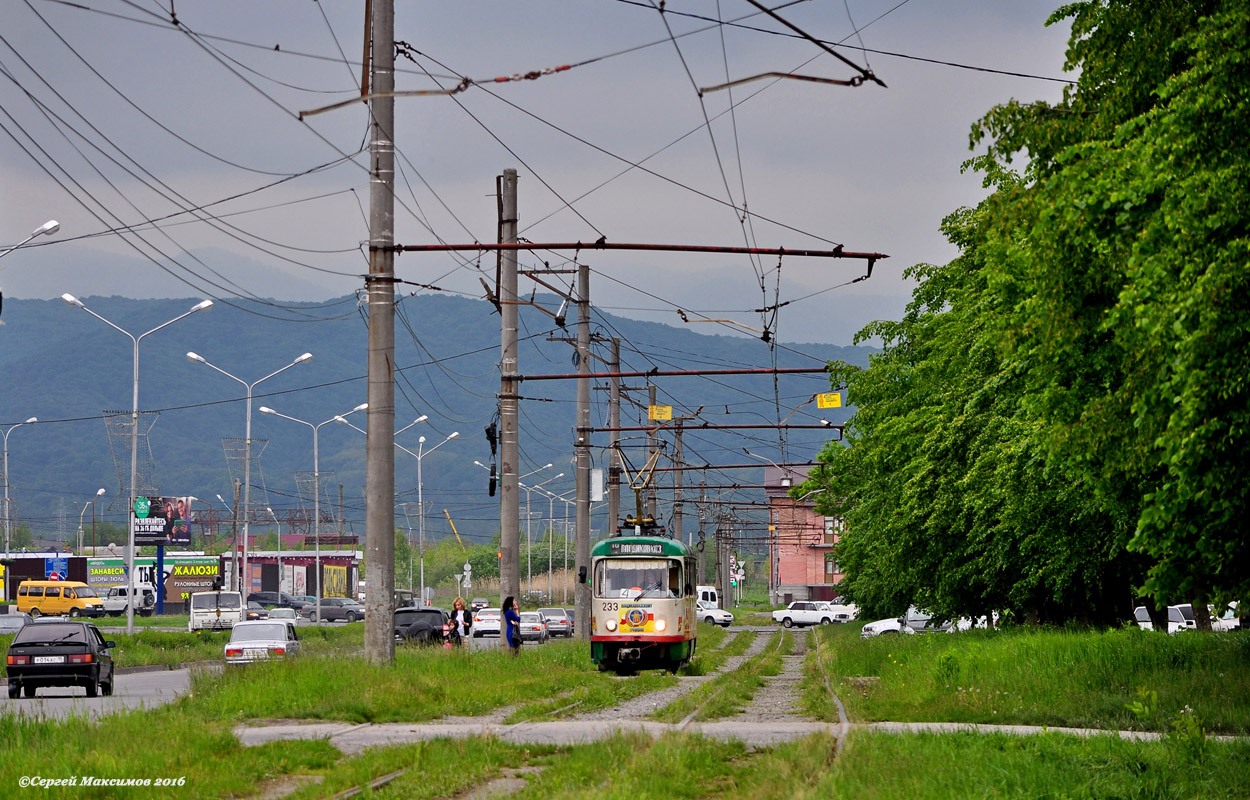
{"x": 116, "y": 117}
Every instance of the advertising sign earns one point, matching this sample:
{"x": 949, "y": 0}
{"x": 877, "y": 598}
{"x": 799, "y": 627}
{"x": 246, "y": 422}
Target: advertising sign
{"x": 56, "y": 569}
{"x": 162, "y": 520}
{"x": 336, "y": 581}
{"x": 191, "y": 574}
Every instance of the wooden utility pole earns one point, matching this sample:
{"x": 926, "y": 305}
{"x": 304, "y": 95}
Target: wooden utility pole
{"x": 380, "y": 444}
{"x": 509, "y": 441}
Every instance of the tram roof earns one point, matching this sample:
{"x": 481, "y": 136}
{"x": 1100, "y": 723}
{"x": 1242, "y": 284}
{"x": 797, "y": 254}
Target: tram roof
{"x": 640, "y": 546}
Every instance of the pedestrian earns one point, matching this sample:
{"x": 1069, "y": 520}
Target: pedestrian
{"x": 461, "y": 621}
{"x": 512, "y": 624}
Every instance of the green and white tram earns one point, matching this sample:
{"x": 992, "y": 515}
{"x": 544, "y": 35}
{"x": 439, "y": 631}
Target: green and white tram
{"x": 642, "y": 603}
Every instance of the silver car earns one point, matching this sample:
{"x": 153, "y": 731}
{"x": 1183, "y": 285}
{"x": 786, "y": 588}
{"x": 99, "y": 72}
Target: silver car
{"x": 486, "y": 622}
{"x": 261, "y": 640}
{"x": 558, "y": 622}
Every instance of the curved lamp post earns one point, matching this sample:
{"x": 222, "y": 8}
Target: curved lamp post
{"x": 89, "y": 504}
{"x": 134, "y": 436}
{"x": 247, "y": 456}
{"x": 421, "y": 453}
{"x": 50, "y": 227}
{"x": 316, "y": 485}
{"x": 529, "y": 541}
{"x": 7, "y": 522}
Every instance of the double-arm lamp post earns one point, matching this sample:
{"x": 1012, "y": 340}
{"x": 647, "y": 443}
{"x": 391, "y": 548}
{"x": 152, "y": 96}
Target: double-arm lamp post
{"x": 316, "y": 487}
{"x": 134, "y": 440}
{"x": 529, "y": 540}
{"x": 89, "y": 504}
{"x": 245, "y": 586}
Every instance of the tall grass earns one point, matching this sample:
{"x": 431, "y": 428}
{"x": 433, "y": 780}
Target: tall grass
{"x": 1038, "y": 677}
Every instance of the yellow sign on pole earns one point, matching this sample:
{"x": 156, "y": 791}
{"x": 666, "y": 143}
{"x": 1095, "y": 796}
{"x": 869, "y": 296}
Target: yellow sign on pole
{"x": 660, "y": 412}
{"x": 829, "y": 400}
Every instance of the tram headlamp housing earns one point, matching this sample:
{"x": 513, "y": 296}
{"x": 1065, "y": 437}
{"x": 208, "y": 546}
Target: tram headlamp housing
{"x": 610, "y": 624}
{"x": 660, "y": 626}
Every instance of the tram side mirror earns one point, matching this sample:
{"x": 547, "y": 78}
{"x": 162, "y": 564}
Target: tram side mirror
{"x": 689, "y": 589}
{"x": 581, "y": 574}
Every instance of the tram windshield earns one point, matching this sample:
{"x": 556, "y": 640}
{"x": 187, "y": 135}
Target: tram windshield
{"x": 638, "y": 578}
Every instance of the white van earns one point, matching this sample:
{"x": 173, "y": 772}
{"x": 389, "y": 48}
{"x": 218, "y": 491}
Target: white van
{"x": 214, "y": 611}
{"x": 707, "y": 595}
{"x": 116, "y": 600}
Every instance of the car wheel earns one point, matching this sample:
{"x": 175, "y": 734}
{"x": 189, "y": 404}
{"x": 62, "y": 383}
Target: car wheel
{"x": 73, "y": 612}
{"x": 34, "y": 613}
{"x": 826, "y": 621}
{"x": 14, "y": 690}
{"x": 107, "y": 688}
{"x": 710, "y": 621}
{"x": 789, "y": 623}
{"x": 28, "y": 691}
{"x": 351, "y": 617}
{"x": 93, "y": 686}
{"x": 313, "y": 617}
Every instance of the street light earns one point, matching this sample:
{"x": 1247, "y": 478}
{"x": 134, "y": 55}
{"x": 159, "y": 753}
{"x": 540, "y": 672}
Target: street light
{"x": 278, "y": 525}
{"x": 247, "y": 455}
{"x": 134, "y": 438}
{"x": 421, "y": 453}
{"x": 552, "y": 497}
{"x": 529, "y": 542}
{"x": 7, "y": 522}
{"x": 91, "y": 503}
{"x": 49, "y": 227}
{"x": 316, "y": 486}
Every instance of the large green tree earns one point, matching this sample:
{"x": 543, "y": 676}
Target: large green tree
{"x": 1059, "y": 421}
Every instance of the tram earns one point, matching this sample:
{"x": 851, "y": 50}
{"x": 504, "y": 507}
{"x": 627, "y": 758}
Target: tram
{"x": 642, "y": 603}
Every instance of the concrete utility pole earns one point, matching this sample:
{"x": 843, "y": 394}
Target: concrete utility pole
{"x": 380, "y": 444}
{"x": 509, "y": 437}
{"x": 653, "y": 445}
{"x": 702, "y": 519}
{"x": 678, "y": 484}
{"x": 614, "y": 450}
{"x": 582, "y": 449}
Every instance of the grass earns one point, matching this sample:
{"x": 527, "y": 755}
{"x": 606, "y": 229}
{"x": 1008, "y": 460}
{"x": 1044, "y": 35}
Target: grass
{"x": 1035, "y": 677}
{"x": 729, "y": 693}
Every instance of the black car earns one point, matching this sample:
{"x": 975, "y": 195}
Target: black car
{"x": 422, "y": 625}
{"x": 335, "y": 609}
{"x": 60, "y": 652}
{"x": 276, "y": 600}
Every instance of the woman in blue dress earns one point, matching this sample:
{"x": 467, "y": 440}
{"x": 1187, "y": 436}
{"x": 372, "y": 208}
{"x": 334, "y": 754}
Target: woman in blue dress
{"x": 512, "y": 624}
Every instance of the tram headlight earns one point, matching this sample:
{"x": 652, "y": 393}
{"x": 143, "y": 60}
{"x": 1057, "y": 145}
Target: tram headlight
{"x": 610, "y": 625}
{"x": 660, "y": 626}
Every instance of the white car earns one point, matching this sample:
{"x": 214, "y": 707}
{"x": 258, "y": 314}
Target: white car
{"x": 486, "y": 622}
{"x": 804, "y": 612}
{"x": 914, "y": 621}
{"x": 889, "y": 625}
{"x": 716, "y": 616}
{"x": 1181, "y": 618}
{"x": 260, "y": 640}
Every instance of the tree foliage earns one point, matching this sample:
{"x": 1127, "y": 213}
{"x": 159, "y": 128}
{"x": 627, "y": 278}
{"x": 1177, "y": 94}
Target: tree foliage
{"x": 1058, "y": 422}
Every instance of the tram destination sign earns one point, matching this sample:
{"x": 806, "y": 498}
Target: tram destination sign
{"x": 636, "y": 548}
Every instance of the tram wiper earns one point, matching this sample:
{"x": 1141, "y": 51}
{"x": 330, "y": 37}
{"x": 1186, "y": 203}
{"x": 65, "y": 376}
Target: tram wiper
{"x": 649, "y": 587}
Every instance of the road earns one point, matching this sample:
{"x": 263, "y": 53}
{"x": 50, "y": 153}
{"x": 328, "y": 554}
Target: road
{"x": 133, "y": 690}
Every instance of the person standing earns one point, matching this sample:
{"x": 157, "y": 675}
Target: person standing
{"x": 512, "y": 624}
{"x": 461, "y": 620}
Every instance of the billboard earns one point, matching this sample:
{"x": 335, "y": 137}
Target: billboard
{"x": 183, "y": 574}
{"x": 162, "y": 520}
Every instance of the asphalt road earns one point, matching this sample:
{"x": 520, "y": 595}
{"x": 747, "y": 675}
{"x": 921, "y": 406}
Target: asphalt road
{"x": 133, "y": 690}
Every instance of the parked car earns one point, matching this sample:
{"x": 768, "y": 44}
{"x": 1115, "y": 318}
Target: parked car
{"x": 259, "y": 640}
{"x": 478, "y": 603}
{"x": 558, "y": 622}
{"x": 304, "y": 600}
{"x": 486, "y": 622}
{"x": 12, "y": 623}
{"x": 428, "y": 625}
{"x": 1181, "y": 618}
{"x": 533, "y": 627}
{"x": 336, "y": 609}
{"x": 255, "y": 610}
{"x": 60, "y": 652}
{"x": 844, "y": 612}
{"x": 914, "y": 621}
{"x": 572, "y": 620}
{"x": 215, "y": 611}
{"x": 713, "y": 615}
{"x": 116, "y": 598}
{"x": 804, "y": 612}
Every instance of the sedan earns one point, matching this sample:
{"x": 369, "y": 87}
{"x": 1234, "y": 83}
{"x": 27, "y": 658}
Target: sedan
{"x": 558, "y": 622}
{"x": 486, "y": 622}
{"x": 261, "y": 640}
{"x": 533, "y": 627}
{"x": 284, "y": 614}
{"x": 333, "y": 609}
{"x": 255, "y": 610}
{"x": 713, "y": 615}
{"x": 59, "y": 652}
{"x": 12, "y": 623}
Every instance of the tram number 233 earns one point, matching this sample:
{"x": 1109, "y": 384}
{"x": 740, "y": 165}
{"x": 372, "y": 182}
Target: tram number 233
{"x": 610, "y": 607}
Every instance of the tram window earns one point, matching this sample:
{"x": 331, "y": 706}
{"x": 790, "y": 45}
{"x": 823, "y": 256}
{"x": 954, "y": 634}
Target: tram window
{"x": 626, "y": 578}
